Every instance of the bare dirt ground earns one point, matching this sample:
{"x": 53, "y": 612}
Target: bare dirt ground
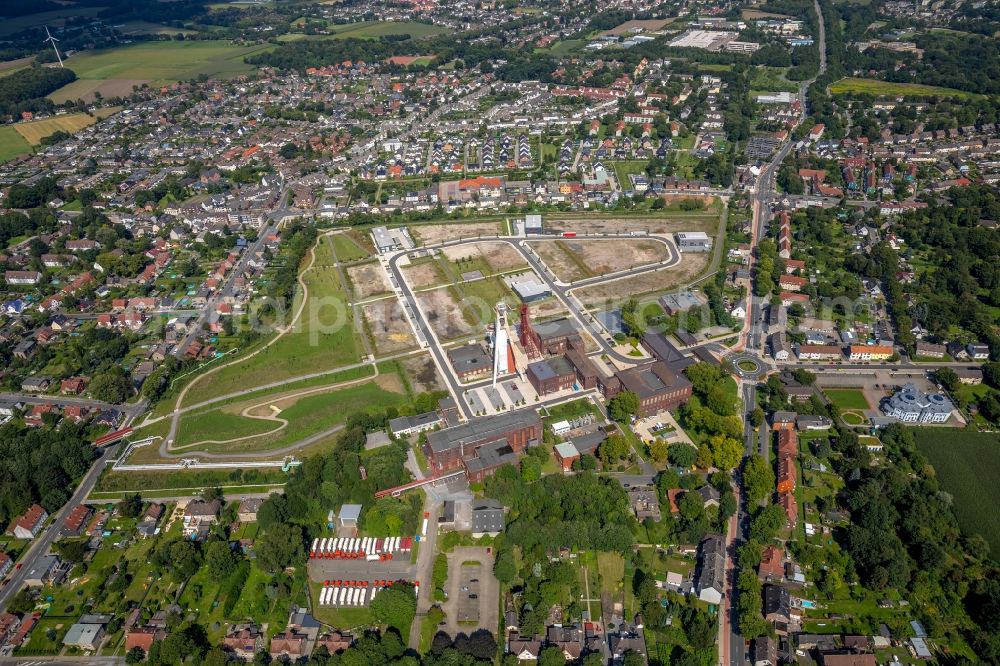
{"x": 424, "y": 274}
{"x": 444, "y": 314}
{"x": 500, "y": 256}
{"x": 615, "y": 255}
{"x": 559, "y": 261}
{"x": 691, "y": 266}
{"x": 428, "y": 234}
{"x": 707, "y": 221}
{"x": 423, "y": 374}
{"x": 388, "y": 326}
{"x": 368, "y": 280}
{"x": 548, "y": 309}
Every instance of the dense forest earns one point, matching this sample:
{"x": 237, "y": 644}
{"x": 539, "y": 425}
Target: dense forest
{"x": 40, "y": 465}
{"x": 581, "y": 512}
{"x": 25, "y": 90}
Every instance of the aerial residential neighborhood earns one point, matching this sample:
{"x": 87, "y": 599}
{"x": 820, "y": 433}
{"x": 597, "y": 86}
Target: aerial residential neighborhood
{"x": 592, "y": 332}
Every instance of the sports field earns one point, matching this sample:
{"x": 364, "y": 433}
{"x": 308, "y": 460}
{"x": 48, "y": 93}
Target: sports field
{"x": 854, "y": 86}
{"x": 967, "y": 465}
{"x": 37, "y": 130}
{"x": 847, "y": 398}
{"x": 165, "y": 61}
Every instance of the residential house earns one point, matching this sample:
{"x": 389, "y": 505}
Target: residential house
{"x": 244, "y": 641}
{"x": 30, "y": 522}
{"x": 712, "y": 573}
{"x": 199, "y": 516}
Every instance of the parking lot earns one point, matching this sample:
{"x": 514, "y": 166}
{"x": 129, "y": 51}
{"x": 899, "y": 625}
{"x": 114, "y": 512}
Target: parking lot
{"x": 473, "y": 592}
{"x": 398, "y": 568}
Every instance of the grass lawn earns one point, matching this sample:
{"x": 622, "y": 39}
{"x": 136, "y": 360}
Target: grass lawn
{"x": 847, "y": 398}
{"x": 306, "y": 416}
{"x": 342, "y": 618}
{"x": 771, "y": 79}
{"x": 376, "y": 29}
{"x": 165, "y": 61}
{"x": 12, "y": 143}
{"x": 119, "y": 482}
{"x": 346, "y": 248}
{"x": 611, "y": 567}
{"x": 323, "y": 338}
{"x": 967, "y": 465}
{"x": 853, "y": 418}
{"x": 854, "y": 86}
{"x": 624, "y": 169}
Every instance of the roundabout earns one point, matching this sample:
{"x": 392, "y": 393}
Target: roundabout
{"x": 748, "y": 366}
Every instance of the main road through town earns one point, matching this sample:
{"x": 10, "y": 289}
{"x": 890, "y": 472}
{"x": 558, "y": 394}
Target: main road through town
{"x": 732, "y": 644}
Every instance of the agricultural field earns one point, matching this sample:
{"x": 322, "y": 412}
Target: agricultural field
{"x": 148, "y": 28}
{"x": 376, "y": 29}
{"x": 12, "y": 143}
{"x": 847, "y": 399}
{"x": 88, "y": 89}
{"x": 854, "y": 86}
{"x": 967, "y": 465}
{"x": 36, "y": 130}
{"x": 53, "y": 19}
{"x": 165, "y": 61}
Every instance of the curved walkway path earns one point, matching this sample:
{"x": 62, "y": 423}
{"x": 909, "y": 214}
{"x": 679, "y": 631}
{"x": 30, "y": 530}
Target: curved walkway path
{"x": 273, "y": 416}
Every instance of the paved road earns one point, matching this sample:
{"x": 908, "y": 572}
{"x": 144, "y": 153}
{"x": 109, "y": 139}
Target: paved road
{"x": 63, "y": 400}
{"x": 732, "y": 647}
{"x": 41, "y": 544}
{"x": 560, "y": 290}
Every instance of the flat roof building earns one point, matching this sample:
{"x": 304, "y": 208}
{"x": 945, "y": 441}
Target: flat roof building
{"x": 350, "y": 514}
{"x": 391, "y": 240}
{"x": 693, "y": 241}
{"x": 912, "y": 405}
{"x": 457, "y": 447}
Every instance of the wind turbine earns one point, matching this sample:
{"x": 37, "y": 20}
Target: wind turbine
{"x": 50, "y": 38}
